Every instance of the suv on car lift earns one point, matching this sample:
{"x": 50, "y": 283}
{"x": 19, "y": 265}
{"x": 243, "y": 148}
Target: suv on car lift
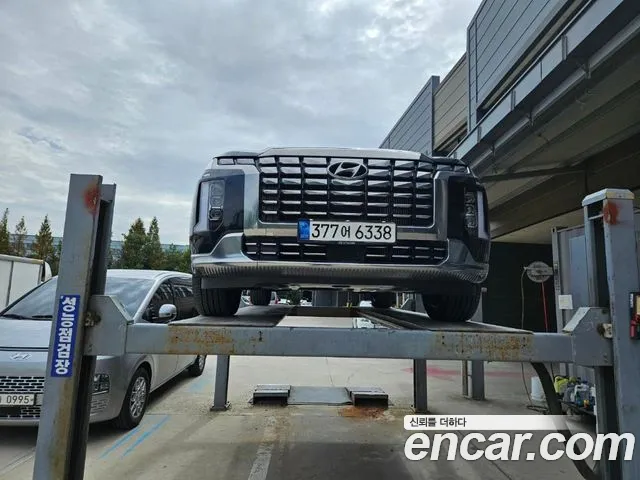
{"x": 369, "y": 220}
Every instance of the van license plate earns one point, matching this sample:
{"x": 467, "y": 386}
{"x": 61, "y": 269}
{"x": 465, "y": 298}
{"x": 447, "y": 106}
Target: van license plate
{"x": 17, "y": 399}
{"x": 346, "y": 232}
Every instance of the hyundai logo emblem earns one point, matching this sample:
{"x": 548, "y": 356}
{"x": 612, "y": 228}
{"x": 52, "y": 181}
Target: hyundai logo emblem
{"x": 347, "y": 170}
{"x": 20, "y": 356}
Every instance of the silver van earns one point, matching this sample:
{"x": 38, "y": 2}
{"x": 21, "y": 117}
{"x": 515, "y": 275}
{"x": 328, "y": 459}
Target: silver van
{"x": 121, "y": 384}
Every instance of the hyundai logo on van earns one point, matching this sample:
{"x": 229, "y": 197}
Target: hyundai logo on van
{"x": 20, "y": 356}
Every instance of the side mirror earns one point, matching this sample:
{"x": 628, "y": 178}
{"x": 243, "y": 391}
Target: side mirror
{"x": 167, "y": 312}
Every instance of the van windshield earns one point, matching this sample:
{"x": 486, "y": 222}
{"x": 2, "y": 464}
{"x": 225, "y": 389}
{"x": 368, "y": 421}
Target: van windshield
{"x": 39, "y": 303}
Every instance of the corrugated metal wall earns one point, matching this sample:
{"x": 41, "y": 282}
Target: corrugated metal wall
{"x": 450, "y": 105}
{"x": 497, "y": 38}
{"x": 414, "y": 130}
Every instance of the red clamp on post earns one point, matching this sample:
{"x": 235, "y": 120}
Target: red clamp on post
{"x": 635, "y": 316}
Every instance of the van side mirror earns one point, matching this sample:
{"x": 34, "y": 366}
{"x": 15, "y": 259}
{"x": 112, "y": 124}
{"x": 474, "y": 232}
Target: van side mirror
{"x": 167, "y": 312}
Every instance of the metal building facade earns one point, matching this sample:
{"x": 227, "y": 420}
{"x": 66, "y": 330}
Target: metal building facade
{"x": 414, "y": 130}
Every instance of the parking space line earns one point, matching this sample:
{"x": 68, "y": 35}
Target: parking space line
{"x": 199, "y": 385}
{"x": 145, "y": 435}
{"x": 129, "y": 435}
{"x": 260, "y": 466}
{"x": 121, "y": 441}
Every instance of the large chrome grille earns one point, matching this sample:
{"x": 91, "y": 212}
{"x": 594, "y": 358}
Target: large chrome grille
{"x": 35, "y": 385}
{"x": 17, "y": 384}
{"x": 399, "y": 191}
{"x": 21, "y": 384}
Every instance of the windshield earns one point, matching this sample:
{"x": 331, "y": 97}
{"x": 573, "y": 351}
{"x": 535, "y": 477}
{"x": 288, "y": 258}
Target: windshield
{"x": 39, "y": 304}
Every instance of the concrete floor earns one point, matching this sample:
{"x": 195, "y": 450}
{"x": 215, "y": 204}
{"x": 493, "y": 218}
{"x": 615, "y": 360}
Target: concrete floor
{"x": 180, "y": 438}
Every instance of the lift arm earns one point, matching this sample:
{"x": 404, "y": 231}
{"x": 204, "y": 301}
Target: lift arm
{"x": 236, "y": 336}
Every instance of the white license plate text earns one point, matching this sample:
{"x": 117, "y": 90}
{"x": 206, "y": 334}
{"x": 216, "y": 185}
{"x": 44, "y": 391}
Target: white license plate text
{"x": 17, "y": 399}
{"x": 347, "y": 232}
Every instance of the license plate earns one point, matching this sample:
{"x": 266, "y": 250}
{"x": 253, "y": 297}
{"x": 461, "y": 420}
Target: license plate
{"x": 346, "y": 232}
{"x": 17, "y": 399}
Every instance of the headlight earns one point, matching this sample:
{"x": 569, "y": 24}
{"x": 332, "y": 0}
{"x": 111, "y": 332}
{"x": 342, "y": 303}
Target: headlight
{"x": 236, "y": 161}
{"x": 471, "y": 210}
{"x": 101, "y": 383}
{"x": 216, "y": 199}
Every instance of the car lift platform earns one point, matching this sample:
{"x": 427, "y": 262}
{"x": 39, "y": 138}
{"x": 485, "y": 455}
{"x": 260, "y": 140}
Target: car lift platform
{"x": 99, "y": 325}
{"x": 407, "y": 335}
{"x": 274, "y": 316}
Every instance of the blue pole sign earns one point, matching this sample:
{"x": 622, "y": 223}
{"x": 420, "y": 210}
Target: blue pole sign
{"x": 66, "y": 327}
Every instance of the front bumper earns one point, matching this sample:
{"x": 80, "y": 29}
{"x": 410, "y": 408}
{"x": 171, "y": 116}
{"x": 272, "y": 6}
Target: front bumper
{"x": 29, "y": 378}
{"x": 227, "y": 266}
{"x": 30, "y": 416}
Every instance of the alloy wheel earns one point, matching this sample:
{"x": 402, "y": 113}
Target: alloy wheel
{"x": 138, "y": 397}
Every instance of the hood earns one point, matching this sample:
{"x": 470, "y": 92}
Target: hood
{"x": 25, "y": 334}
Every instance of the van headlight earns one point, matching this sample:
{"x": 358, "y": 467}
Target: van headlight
{"x": 101, "y": 383}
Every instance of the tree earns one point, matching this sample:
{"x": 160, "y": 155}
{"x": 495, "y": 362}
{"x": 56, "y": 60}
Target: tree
{"x": 18, "y": 247}
{"x": 54, "y": 262}
{"x": 153, "y": 253}
{"x": 185, "y": 265}
{"x": 294, "y": 296}
{"x": 133, "y": 246}
{"x": 43, "y": 244}
{"x": 172, "y": 258}
{"x": 5, "y": 237}
{"x": 176, "y": 260}
{"x": 111, "y": 259}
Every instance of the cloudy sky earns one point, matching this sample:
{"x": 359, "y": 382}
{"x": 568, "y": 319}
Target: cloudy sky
{"x": 144, "y": 93}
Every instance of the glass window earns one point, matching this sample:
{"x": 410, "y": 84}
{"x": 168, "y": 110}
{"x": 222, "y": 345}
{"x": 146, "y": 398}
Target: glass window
{"x": 185, "y": 303}
{"x": 40, "y": 302}
{"x": 162, "y": 296}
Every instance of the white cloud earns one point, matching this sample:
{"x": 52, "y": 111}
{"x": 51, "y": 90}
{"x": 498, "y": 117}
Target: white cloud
{"x": 144, "y": 93}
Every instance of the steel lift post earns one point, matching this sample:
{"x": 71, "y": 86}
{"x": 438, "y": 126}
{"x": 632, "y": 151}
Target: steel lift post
{"x": 221, "y": 385}
{"x": 64, "y": 422}
{"x": 476, "y": 375}
{"x": 101, "y": 326}
{"x": 613, "y": 275}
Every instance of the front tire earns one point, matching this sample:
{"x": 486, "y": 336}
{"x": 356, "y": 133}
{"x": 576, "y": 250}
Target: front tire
{"x": 260, "y": 298}
{"x": 135, "y": 401}
{"x": 382, "y": 299}
{"x": 215, "y": 302}
{"x": 458, "y": 306}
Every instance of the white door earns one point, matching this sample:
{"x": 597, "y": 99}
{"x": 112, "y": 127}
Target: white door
{"x": 185, "y": 303}
{"x": 165, "y": 365}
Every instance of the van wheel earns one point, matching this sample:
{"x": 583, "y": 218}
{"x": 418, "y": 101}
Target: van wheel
{"x": 215, "y": 302}
{"x": 197, "y": 367}
{"x": 134, "y": 405}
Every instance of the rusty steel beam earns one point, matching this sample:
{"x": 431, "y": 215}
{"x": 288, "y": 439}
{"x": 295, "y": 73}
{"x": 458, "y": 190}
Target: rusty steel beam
{"x": 346, "y": 343}
{"x": 409, "y": 335}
